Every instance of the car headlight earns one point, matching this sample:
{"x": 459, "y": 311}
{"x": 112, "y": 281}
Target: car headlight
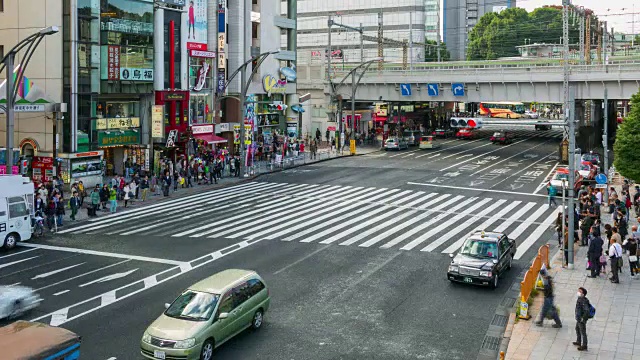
{"x": 185, "y": 344}
{"x": 146, "y": 338}
{"x": 453, "y": 268}
{"x": 486, "y": 273}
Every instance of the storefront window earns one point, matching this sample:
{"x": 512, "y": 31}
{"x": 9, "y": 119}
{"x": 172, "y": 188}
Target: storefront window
{"x": 127, "y": 16}
{"x": 200, "y": 106}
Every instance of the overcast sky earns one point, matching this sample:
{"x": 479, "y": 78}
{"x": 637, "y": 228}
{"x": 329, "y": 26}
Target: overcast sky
{"x": 614, "y": 9}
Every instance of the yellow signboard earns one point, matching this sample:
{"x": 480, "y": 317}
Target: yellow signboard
{"x": 157, "y": 115}
{"x": 352, "y": 147}
{"x": 247, "y": 134}
{"x": 117, "y": 123}
{"x": 236, "y": 134}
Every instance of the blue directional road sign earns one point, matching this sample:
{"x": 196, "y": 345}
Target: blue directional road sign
{"x": 601, "y": 179}
{"x": 405, "y": 89}
{"x": 432, "y": 90}
{"x": 458, "y": 89}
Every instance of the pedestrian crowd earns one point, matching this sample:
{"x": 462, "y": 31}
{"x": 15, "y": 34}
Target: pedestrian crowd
{"x": 604, "y": 248}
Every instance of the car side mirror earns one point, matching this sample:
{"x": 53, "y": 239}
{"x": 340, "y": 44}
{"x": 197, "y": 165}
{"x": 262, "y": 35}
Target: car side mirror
{"x": 223, "y": 315}
{"x": 167, "y": 305}
{"x": 451, "y": 256}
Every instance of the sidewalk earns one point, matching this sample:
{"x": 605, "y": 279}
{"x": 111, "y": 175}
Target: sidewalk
{"x": 261, "y": 168}
{"x": 614, "y": 333}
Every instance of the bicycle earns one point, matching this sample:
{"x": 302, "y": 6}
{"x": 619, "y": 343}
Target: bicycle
{"x": 38, "y": 227}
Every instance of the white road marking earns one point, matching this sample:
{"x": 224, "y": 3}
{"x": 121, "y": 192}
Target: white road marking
{"x": 326, "y": 224}
{"x": 61, "y": 292}
{"x": 530, "y": 221}
{"x": 526, "y": 244}
{"x": 102, "y": 253}
{"x": 109, "y": 278}
{"x": 484, "y": 154}
{"x": 16, "y": 284}
{"x": 61, "y": 316}
{"x": 476, "y": 189}
{"x": 40, "y": 276}
{"x": 81, "y": 275}
{"x": 407, "y": 198}
{"x": 17, "y": 253}
{"x": 455, "y": 246}
{"x": 510, "y": 157}
{"x": 459, "y": 228}
{"x": 437, "y": 200}
{"x": 165, "y": 206}
{"x": 517, "y": 215}
{"x": 544, "y": 183}
{"x": 300, "y": 260}
{"x": 420, "y": 227}
{"x": 364, "y": 224}
{"x": 421, "y": 199}
{"x": 16, "y": 262}
{"x": 368, "y": 232}
{"x": 444, "y": 225}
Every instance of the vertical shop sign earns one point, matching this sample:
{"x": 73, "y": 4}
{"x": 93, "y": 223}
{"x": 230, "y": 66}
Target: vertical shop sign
{"x": 113, "y": 62}
{"x": 221, "y": 80}
{"x": 247, "y": 134}
{"x": 157, "y": 116}
{"x": 197, "y": 25}
{"x": 236, "y": 134}
{"x": 146, "y": 160}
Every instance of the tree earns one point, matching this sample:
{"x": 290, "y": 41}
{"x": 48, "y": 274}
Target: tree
{"x": 497, "y": 34}
{"x": 626, "y": 150}
{"x": 431, "y": 51}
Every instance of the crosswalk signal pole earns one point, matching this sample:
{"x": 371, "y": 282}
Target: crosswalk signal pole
{"x": 570, "y": 123}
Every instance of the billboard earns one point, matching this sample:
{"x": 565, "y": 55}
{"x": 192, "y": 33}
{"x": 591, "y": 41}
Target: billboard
{"x": 197, "y": 25}
{"x": 126, "y": 63}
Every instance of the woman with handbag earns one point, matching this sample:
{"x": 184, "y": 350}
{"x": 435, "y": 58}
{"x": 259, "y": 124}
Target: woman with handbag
{"x": 127, "y": 194}
{"x": 632, "y": 247}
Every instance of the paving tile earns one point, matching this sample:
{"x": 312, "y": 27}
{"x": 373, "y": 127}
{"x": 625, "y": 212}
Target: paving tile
{"x": 622, "y": 356}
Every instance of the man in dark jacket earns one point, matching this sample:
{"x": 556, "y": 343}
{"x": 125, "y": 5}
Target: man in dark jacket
{"x": 582, "y": 315}
{"x": 548, "y": 308}
{"x": 594, "y": 253}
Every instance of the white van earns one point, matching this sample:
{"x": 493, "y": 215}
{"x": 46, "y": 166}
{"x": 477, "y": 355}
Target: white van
{"x": 16, "y": 203}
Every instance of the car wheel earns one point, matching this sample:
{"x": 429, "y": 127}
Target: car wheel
{"x": 494, "y": 282}
{"x": 508, "y": 116}
{"x": 257, "y": 321}
{"x": 16, "y": 310}
{"x": 207, "y": 350}
{"x": 10, "y": 241}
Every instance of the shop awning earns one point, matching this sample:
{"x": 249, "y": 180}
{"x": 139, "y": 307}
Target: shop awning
{"x": 210, "y": 138}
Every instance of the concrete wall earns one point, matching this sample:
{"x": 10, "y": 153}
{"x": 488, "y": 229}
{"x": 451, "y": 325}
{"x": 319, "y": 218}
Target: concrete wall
{"x": 20, "y": 19}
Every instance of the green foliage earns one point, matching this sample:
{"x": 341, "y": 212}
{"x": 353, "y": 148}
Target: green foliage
{"x": 497, "y": 34}
{"x": 627, "y": 146}
{"x": 431, "y": 52}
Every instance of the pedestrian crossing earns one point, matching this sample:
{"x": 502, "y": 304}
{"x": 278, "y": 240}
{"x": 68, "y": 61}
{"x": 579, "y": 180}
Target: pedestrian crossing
{"x": 344, "y": 215}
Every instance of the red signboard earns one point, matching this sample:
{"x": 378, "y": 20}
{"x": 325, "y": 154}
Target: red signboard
{"x": 331, "y": 128}
{"x": 196, "y": 46}
{"x": 201, "y": 53}
{"x": 113, "y": 62}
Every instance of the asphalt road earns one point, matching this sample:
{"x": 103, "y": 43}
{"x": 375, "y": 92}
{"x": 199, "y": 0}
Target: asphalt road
{"x": 354, "y": 251}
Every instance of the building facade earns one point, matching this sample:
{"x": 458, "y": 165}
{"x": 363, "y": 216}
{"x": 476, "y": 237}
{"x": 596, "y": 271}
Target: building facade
{"x": 460, "y": 16}
{"x": 143, "y": 79}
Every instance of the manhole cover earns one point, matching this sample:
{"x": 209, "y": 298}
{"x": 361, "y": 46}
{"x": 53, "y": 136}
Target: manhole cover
{"x": 508, "y": 302}
{"x": 491, "y": 343}
{"x": 499, "y": 320}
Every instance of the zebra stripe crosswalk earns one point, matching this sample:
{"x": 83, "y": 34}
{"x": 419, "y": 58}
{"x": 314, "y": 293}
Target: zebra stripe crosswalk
{"x": 359, "y": 216}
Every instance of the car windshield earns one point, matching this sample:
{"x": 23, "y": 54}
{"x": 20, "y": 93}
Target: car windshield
{"x": 193, "y": 305}
{"x": 480, "y": 248}
{"x": 561, "y": 176}
{"x": 391, "y": 140}
{"x": 585, "y": 167}
{"x": 590, "y": 157}
{"x": 497, "y": 133}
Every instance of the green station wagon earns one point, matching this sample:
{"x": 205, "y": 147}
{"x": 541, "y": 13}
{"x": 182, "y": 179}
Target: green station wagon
{"x": 206, "y": 315}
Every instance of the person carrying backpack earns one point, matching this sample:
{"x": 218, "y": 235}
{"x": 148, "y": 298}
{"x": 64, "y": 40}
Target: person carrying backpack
{"x": 584, "y": 311}
{"x": 552, "y": 194}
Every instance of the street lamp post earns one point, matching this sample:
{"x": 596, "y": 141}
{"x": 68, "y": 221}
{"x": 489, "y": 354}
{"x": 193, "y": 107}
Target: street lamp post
{"x": 354, "y": 87}
{"x": 564, "y": 189}
{"x": 32, "y": 41}
{"x": 243, "y": 97}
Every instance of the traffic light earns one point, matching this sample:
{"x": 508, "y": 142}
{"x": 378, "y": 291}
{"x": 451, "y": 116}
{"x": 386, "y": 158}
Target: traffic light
{"x": 277, "y": 107}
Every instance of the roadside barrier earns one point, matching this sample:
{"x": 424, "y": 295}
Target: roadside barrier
{"x": 530, "y": 278}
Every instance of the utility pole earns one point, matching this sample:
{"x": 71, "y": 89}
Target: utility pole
{"x": 582, "y": 47}
{"x": 329, "y": 24}
{"x": 411, "y": 41}
{"x": 438, "y": 33}
{"x": 588, "y": 40}
{"x": 605, "y": 142}
{"x": 11, "y": 56}
{"x": 568, "y": 115}
{"x": 361, "y": 43}
{"x": 605, "y": 44}
{"x": 380, "y": 41}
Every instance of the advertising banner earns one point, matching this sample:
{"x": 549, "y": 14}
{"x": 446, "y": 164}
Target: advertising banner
{"x": 236, "y": 134}
{"x": 197, "y": 25}
{"x": 113, "y": 62}
{"x": 126, "y": 63}
{"x": 157, "y": 115}
{"x": 221, "y": 80}
{"x": 247, "y": 134}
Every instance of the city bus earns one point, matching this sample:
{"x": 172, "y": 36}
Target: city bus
{"x": 502, "y": 109}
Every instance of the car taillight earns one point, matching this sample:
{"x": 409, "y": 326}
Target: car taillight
{"x": 396, "y": 143}
{"x": 502, "y": 139}
{"x": 433, "y": 133}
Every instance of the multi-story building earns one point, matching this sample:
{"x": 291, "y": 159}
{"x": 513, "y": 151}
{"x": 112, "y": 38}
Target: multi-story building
{"x": 402, "y": 20}
{"x": 142, "y": 79}
{"x": 459, "y": 18}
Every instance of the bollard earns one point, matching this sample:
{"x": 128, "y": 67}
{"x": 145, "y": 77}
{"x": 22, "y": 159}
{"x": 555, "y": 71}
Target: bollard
{"x": 501, "y": 355}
